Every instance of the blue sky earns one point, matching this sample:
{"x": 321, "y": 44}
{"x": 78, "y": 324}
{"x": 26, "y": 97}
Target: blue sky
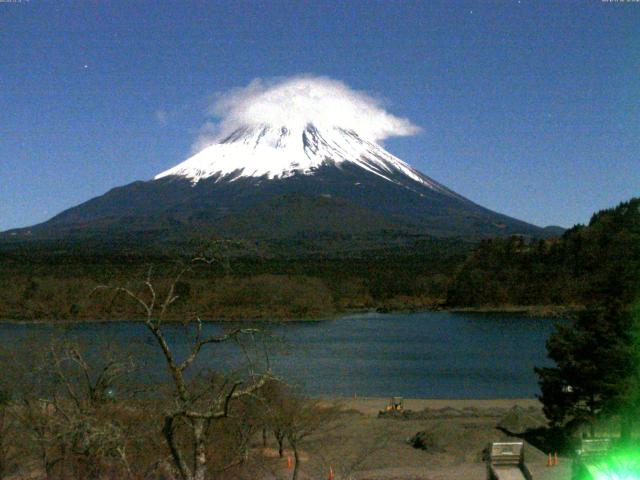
{"x": 530, "y": 108}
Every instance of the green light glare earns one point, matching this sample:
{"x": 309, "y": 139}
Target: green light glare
{"x": 617, "y": 466}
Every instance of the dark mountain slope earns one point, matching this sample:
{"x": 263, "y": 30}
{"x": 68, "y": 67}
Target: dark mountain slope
{"x": 344, "y": 183}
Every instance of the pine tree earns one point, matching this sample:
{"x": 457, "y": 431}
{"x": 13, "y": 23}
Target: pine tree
{"x": 597, "y": 367}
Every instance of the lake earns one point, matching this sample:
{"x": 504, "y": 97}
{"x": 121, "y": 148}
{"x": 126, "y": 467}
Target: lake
{"x": 415, "y": 355}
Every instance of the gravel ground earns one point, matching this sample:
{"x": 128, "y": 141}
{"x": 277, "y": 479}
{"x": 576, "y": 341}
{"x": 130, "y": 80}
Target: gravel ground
{"x": 360, "y": 446}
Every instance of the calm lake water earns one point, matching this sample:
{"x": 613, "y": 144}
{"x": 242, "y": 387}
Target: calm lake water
{"x": 427, "y": 355}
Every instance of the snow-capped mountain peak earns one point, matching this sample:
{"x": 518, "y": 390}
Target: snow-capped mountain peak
{"x": 280, "y": 152}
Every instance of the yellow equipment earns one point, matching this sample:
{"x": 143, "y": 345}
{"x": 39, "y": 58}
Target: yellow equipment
{"x": 396, "y": 404}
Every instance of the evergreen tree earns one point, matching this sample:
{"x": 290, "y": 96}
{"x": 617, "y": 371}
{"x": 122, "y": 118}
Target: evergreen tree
{"x": 595, "y": 367}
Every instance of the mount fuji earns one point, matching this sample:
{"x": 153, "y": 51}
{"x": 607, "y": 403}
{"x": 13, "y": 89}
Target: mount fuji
{"x": 278, "y": 181}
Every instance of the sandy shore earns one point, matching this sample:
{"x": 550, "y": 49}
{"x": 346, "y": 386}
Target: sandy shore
{"x": 360, "y": 446}
{"x": 372, "y": 405}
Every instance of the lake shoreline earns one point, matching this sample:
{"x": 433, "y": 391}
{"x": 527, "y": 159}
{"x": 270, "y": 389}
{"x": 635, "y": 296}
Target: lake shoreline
{"x": 418, "y": 355}
{"x": 533, "y": 311}
{"x": 372, "y": 405}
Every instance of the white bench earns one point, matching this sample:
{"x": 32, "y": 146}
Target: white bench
{"x": 506, "y": 462}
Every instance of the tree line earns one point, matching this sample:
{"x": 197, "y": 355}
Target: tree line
{"x": 596, "y": 372}
{"x": 45, "y": 281}
{"x": 594, "y": 261}
{"x": 70, "y": 411}
{"x": 52, "y": 284}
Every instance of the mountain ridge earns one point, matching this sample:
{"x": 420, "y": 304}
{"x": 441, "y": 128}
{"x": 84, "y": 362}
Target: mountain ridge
{"x": 343, "y": 182}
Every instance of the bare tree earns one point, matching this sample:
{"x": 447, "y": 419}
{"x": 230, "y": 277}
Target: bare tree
{"x": 195, "y": 405}
{"x": 67, "y": 416}
{"x": 34, "y": 415}
{"x": 305, "y": 418}
{"x": 291, "y": 416}
{"x": 5, "y": 431}
{"x": 84, "y": 409}
{"x": 273, "y": 414}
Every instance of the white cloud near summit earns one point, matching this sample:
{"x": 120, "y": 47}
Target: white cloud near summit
{"x": 297, "y": 101}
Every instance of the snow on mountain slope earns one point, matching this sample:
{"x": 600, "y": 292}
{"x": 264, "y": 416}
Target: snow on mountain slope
{"x": 291, "y": 158}
{"x": 265, "y": 151}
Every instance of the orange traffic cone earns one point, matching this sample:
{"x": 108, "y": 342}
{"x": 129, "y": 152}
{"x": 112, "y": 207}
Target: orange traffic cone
{"x": 330, "y": 472}
{"x": 289, "y": 463}
{"x": 549, "y": 461}
{"x": 555, "y": 459}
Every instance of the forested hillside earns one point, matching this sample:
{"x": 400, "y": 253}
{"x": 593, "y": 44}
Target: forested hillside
{"x": 283, "y": 280}
{"x": 584, "y": 263}
{"x": 311, "y": 277}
